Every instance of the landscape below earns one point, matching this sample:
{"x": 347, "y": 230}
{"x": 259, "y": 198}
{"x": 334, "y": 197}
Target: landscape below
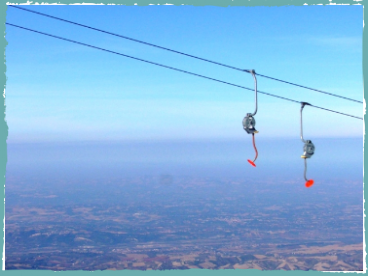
{"x": 168, "y": 222}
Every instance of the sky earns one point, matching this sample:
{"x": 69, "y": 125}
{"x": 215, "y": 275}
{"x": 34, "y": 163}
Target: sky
{"x": 59, "y": 91}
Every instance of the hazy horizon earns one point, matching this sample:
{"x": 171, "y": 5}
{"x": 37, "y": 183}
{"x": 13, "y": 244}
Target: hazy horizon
{"x": 341, "y": 157}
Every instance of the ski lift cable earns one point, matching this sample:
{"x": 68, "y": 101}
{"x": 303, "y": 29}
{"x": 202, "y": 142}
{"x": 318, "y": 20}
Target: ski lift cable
{"x": 181, "y": 53}
{"x": 175, "y": 69}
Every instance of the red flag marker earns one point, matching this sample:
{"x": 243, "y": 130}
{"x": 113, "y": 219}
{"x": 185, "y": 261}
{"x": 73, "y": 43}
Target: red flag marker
{"x": 309, "y": 183}
{"x": 252, "y": 163}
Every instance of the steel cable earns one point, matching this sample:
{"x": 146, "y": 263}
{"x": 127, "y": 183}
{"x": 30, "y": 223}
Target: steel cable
{"x": 173, "y": 68}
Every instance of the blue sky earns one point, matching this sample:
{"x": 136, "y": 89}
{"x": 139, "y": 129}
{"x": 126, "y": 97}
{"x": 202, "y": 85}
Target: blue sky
{"x": 59, "y": 91}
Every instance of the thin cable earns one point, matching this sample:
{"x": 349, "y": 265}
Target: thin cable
{"x": 317, "y": 90}
{"x": 129, "y": 38}
{"x": 154, "y": 63}
{"x": 336, "y": 112}
{"x": 169, "y": 67}
{"x": 181, "y": 53}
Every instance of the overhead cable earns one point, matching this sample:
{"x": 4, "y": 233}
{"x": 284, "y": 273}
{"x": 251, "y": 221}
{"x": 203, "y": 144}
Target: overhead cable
{"x": 181, "y": 53}
{"x": 172, "y": 68}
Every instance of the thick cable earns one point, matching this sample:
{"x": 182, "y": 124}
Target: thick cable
{"x": 255, "y": 148}
{"x": 181, "y": 53}
{"x": 301, "y": 120}
{"x": 255, "y": 92}
{"x": 173, "y": 68}
{"x": 305, "y": 169}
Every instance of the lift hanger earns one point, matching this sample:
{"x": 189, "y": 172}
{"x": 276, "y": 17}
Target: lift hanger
{"x": 249, "y": 122}
{"x": 308, "y": 148}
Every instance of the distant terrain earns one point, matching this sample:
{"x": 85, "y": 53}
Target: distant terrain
{"x": 167, "y": 222}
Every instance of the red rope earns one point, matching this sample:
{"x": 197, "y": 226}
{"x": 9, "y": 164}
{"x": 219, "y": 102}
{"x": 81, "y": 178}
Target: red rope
{"x": 254, "y": 145}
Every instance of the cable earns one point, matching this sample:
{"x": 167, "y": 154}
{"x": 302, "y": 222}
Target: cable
{"x": 129, "y": 38}
{"x": 181, "y": 53}
{"x": 335, "y": 111}
{"x": 302, "y": 86}
{"x": 169, "y": 67}
{"x": 255, "y": 148}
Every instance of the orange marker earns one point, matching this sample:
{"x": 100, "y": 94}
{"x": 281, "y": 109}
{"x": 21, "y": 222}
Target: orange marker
{"x": 255, "y": 158}
{"x": 309, "y": 183}
{"x": 251, "y": 162}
